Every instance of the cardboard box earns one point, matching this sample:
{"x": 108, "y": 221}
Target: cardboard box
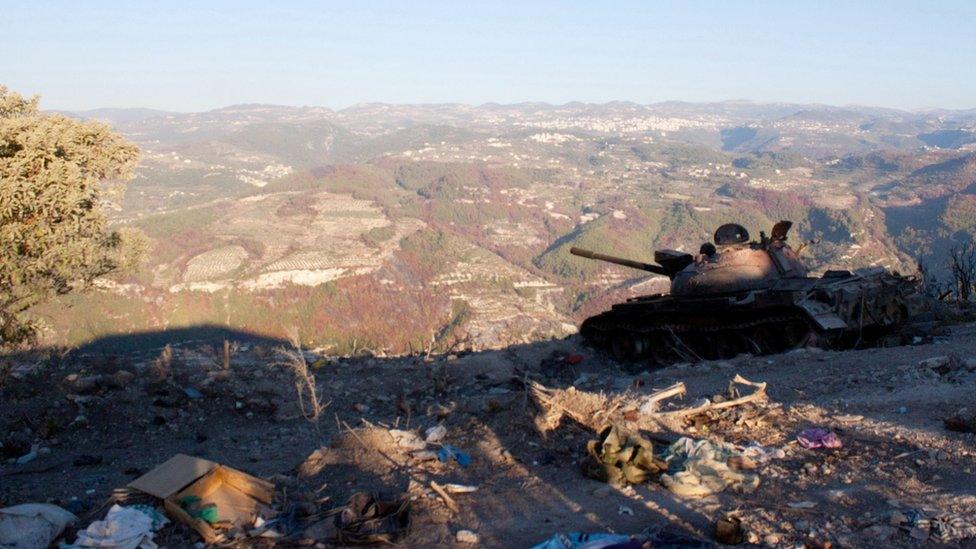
{"x": 239, "y": 497}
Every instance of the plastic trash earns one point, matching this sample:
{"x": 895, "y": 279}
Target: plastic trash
{"x": 122, "y": 528}
{"x": 32, "y": 525}
{"x": 435, "y": 434}
{"x": 28, "y": 457}
{"x": 578, "y": 540}
{"x": 664, "y": 536}
{"x": 407, "y": 439}
{"x": 448, "y": 453}
{"x": 195, "y": 507}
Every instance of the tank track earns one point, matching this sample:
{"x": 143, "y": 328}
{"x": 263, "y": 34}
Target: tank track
{"x": 637, "y": 337}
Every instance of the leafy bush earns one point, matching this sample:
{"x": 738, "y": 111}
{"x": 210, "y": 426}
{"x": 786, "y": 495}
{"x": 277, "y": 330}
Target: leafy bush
{"x": 55, "y": 239}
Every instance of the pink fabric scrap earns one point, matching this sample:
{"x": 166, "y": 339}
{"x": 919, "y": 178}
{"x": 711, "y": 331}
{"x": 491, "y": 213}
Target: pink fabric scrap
{"x": 818, "y": 438}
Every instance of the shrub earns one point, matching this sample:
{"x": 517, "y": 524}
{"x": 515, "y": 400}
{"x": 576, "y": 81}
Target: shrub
{"x": 55, "y": 238}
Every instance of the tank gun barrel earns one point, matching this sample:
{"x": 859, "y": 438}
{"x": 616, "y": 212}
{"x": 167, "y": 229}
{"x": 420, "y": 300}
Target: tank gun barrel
{"x": 650, "y": 267}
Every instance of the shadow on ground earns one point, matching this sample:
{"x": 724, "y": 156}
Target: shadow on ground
{"x": 528, "y": 477}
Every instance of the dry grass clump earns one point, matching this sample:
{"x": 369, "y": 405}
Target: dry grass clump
{"x": 309, "y": 396}
{"x": 591, "y": 410}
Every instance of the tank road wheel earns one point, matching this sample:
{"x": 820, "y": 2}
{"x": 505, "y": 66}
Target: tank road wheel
{"x": 626, "y": 346}
{"x": 728, "y": 344}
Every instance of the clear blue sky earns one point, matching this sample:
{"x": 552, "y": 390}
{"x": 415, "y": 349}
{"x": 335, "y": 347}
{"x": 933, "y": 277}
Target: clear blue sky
{"x": 201, "y": 55}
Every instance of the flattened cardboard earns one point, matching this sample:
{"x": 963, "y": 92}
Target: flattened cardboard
{"x": 173, "y": 475}
{"x": 239, "y": 497}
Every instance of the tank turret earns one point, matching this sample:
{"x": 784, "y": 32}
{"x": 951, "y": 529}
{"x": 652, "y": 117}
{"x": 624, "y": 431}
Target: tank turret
{"x": 731, "y": 264}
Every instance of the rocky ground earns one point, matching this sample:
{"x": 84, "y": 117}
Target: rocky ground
{"x": 84, "y": 426}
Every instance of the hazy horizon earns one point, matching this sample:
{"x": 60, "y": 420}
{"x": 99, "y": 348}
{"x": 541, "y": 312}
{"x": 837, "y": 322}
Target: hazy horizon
{"x": 853, "y": 106}
{"x": 900, "y": 55}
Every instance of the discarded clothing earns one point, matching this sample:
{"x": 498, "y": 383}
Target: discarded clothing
{"x": 122, "y": 528}
{"x": 448, "y": 453}
{"x": 155, "y": 513}
{"x": 620, "y": 457}
{"x": 665, "y": 536}
{"x": 698, "y": 468}
{"x": 32, "y": 525}
{"x": 365, "y": 519}
{"x": 818, "y": 437}
{"x": 581, "y": 540}
{"x": 761, "y": 454}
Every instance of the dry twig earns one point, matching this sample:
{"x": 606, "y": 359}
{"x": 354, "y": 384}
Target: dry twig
{"x": 651, "y": 402}
{"x": 448, "y": 500}
{"x": 757, "y": 395}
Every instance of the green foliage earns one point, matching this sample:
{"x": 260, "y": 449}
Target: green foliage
{"x": 172, "y": 223}
{"x": 960, "y": 214}
{"x": 378, "y": 235}
{"x": 53, "y": 171}
{"x": 631, "y": 239}
{"x": 427, "y": 252}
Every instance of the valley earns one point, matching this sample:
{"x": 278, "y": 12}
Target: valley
{"x": 406, "y": 228}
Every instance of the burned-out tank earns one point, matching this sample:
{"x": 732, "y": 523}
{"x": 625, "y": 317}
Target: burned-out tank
{"x": 741, "y": 296}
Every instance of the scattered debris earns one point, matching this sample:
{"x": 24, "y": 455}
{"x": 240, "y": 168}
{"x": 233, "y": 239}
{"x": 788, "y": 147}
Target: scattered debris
{"x": 449, "y": 453}
{"x": 580, "y": 540}
{"x": 818, "y": 437}
{"x": 435, "y": 434}
{"x": 652, "y": 402}
{"x": 407, "y": 439}
{"x": 122, "y": 528}
{"x": 963, "y": 422}
{"x": 758, "y": 395}
{"x": 801, "y": 504}
{"x": 761, "y": 454}
{"x": 620, "y": 457}
{"x": 748, "y": 437}
{"x": 236, "y": 497}
{"x": 365, "y": 519}
{"x": 28, "y": 457}
{"x": 460, "y": 488}
{"x": 728, "y": 530}
{"x": 32, "y": 525}
{"x": 938, "y": 364}
{"x": 197, "y": 509}
{"x": 700, "y": 467}
{"x": 573, "y": 359}
{"x": 448, "y": 500}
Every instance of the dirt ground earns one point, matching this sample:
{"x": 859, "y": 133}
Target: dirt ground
{"x": 886, "y": 405}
